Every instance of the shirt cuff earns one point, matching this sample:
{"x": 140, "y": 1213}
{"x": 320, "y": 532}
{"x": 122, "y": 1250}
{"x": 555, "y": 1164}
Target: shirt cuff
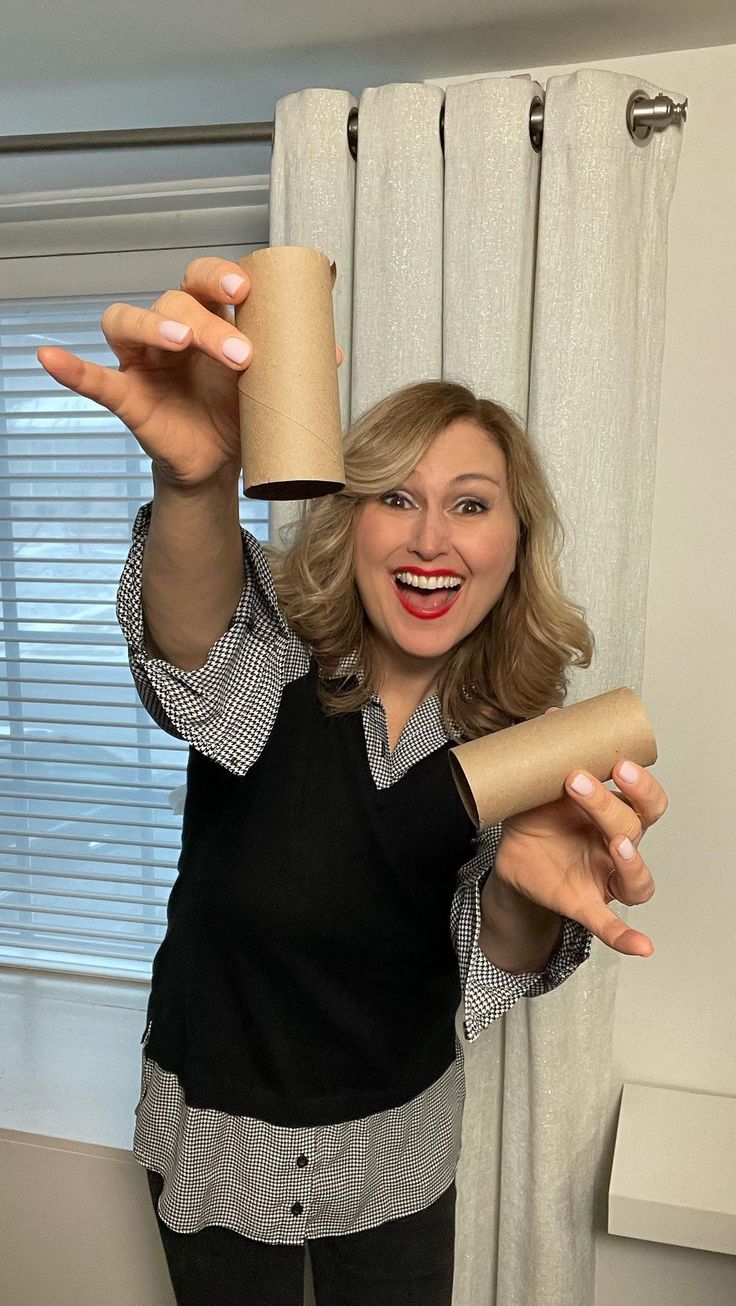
{"x": 208, "y": 706}
{"x": 490, "y": 992}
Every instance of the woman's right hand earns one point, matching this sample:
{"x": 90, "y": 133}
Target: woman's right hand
{"x": 180, "y": 400}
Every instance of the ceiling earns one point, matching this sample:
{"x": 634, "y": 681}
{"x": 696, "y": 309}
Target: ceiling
{"x": 67, "y": 66}
{"x": 64, "y": 42}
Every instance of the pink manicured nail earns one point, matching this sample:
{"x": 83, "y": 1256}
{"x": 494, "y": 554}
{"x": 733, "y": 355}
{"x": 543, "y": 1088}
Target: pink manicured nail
{"x": 629, "y": 772}
{"x": 236, "y": 350}
{"x": 174, "y": 331}
{"x": 626, "y": 849}
{"x": 231, "y": 283}
{"x": 581, "y": 784}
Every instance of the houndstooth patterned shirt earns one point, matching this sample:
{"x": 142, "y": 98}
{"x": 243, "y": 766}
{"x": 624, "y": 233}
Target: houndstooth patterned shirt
{"x": 267, "y": 1182}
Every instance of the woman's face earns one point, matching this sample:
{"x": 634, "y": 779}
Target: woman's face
{"x": 433, "y": 555}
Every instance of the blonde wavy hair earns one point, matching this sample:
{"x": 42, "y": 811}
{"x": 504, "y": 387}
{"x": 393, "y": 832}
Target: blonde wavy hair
{"x": 513, "y": 666}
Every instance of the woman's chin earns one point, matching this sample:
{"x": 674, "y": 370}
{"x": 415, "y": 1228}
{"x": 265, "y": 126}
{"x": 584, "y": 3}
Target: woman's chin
{"x": 427, "y": 641}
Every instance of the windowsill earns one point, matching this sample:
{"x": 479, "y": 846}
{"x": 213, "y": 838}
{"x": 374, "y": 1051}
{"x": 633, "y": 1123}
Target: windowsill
{"x": 71, "y": 1055}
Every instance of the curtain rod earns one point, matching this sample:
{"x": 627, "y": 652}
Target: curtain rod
{"x": 643, "y": 115}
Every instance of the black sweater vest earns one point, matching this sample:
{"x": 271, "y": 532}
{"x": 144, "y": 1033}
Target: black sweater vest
{"x": 307, "y": 975}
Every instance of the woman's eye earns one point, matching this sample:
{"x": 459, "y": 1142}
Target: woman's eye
{"x": 466, "y": 507}
{"x": 470, "y": 507}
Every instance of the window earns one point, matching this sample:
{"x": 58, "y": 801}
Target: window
{"x": 89, "y": 786}
{"x": 91, "y": 790}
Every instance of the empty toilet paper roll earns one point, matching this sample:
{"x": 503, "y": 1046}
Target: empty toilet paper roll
{"x": 527, "y": 764}
{"x": 289, "y": 400}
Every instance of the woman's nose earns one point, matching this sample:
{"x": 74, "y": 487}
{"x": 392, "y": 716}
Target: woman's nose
{"x": 431, "y": 535}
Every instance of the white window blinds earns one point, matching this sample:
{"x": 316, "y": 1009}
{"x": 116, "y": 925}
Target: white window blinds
{"x": 90, "y": 787}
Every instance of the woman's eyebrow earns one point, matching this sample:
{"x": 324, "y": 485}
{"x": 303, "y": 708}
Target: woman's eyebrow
{"x": 476, "y": 476}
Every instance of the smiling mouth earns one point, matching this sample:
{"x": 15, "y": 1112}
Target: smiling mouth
{"x": 427, "y": 594}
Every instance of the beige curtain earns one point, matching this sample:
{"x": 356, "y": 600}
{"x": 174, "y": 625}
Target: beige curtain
{"x": 536, "y": 278}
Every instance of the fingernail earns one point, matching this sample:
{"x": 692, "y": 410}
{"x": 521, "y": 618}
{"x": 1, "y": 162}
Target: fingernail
{"x": 236, "y": 350}
{"x": 626, "y": 849}
{"x": 231, "y": 283}
{"x": 581, "y": 784}
{"x": 174, "y": 331}
{"x": 628, "y": 771}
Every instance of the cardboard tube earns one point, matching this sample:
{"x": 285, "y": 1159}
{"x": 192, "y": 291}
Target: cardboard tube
{"x": 289, "y": 399}
{"x": 526, "y": 765}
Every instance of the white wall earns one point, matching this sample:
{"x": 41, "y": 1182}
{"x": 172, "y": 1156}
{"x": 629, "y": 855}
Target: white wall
{"x": 674, "y": 1021}
{"x": 78, "y": 1227}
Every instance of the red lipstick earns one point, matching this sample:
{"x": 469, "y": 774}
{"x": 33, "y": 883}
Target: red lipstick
{"x": 405, "y": 596}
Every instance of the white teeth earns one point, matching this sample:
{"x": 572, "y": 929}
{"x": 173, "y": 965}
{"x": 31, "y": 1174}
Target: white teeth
{"x": 429, "y": 582}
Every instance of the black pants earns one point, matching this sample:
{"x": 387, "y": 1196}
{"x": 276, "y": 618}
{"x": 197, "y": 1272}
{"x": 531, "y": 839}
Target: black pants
{"x": 404, "y": 1262}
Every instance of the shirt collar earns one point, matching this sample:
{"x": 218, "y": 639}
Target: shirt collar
{"x": 348, "y": 665}
{"x": 430, "y": 708}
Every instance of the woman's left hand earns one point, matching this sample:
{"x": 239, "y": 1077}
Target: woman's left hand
{"x": 565, "y": 854}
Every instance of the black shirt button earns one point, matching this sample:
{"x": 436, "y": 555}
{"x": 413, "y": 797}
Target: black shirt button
{"x": 302, "y": 1161}
{"x": 297, "y": 1208}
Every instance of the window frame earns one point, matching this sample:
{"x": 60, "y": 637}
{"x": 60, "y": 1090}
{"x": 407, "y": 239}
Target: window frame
{"x": 110, "y": 239}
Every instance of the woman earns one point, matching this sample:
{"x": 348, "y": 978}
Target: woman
{"x": 302, "y": 1076}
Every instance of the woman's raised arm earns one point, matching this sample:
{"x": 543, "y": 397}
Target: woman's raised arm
{"x": 192, "y": 571}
